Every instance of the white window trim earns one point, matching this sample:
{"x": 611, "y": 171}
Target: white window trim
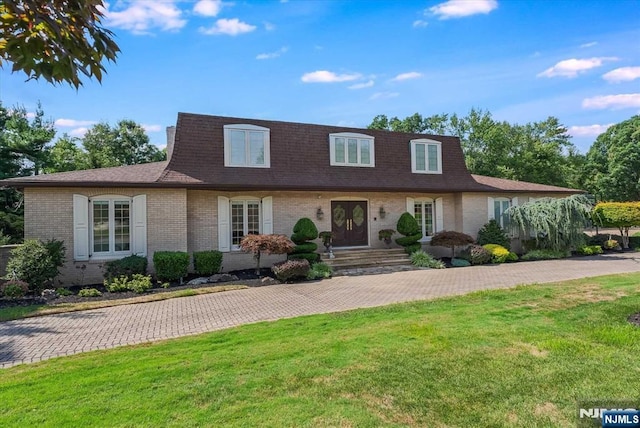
{"x": 427, "y": 142}
{"x": 425, "y": 237}
{"x": 359, "y": 137}
{"x": 250, "y": 128}
{"x": 245, "y": 216}
{"x": 492, "y": 213}
{"x": 111, "y": 199}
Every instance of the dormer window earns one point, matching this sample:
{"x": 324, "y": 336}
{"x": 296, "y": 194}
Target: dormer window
{"x": 426, "y": 156}
{"x": 350, "y": 149}
{"x": 246, "y": 146}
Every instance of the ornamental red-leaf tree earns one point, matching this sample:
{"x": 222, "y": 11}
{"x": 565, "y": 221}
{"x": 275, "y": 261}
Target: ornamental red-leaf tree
{"x": 267, "y": 244}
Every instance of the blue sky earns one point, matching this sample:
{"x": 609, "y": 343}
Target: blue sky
{"x": 342, "y": 63}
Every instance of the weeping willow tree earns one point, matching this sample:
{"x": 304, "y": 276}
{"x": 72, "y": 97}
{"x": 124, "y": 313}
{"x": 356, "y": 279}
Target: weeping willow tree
{"x": 555, "y": 223}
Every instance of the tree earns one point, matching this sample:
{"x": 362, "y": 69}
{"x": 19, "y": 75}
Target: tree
{"x": 556, "y": 223}
{"x": 65, "y": 155}
{"x": 124, "y": 144}
{"x": 622, "y": 215}
{"x": 451, "y": 239}
{"x": 540, "y": 152}
{"x": 59, "y": 40}
{"x": 268, "y": 244}
{"x": 612, "y": 169}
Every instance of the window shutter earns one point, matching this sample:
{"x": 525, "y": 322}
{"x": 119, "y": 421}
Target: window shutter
{"x": 267, "y": 215}
{"x": 490, "y": 208}
{"x": 439, "y": 215}
{"x": 411, "y": 206}
{"x": 139, "y": 212}
{"x": 80, "y": 228}
{"x": 224, "y": 233}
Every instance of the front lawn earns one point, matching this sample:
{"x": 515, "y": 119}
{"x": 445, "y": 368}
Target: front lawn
{"x": 517, "y": 357}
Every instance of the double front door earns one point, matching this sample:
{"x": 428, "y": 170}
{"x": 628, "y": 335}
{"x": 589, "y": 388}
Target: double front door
{"x": 349, "y": 223}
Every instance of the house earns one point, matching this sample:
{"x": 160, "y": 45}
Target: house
{"x": 228, "y": 177}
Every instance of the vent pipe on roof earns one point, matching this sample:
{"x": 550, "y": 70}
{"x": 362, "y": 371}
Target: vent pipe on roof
{"x": 171, "y": 138}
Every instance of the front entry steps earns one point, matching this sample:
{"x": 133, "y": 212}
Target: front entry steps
{"x": 355, "y": 261}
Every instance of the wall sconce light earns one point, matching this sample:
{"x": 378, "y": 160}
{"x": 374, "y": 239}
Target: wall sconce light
{"x": 319, "y": 213}
{"x": 383, "y": 213}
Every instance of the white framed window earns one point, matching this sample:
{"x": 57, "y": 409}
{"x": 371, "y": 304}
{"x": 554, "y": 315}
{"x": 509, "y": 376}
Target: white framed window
{"x": 247, "y": 146}
{"x": 109, "y": 226}
{"x": 423, "y": 212}
{"x": 426, "y": 156}
{"x": 498, "y": 208}
{"x": 351, "y": 149}
{"x": 245, "y": 220}
{"x": 240, "y": 216}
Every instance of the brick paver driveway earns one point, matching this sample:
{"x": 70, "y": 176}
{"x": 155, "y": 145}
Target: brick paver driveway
{"x": 40, "y": 338}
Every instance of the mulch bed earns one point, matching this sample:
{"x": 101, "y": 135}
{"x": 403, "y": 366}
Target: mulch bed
{"x": 246, "y": 277}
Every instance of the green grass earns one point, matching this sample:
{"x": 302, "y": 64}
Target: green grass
{"x": 518, "y": 357}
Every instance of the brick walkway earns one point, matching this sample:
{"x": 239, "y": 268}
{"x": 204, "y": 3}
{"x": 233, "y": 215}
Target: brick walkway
{"x": 40, "y": 338}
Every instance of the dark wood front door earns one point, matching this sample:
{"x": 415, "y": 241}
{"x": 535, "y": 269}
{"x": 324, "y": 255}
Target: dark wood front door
{"x": 349, "y": 223}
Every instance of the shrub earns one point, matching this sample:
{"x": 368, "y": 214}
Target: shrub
{"x": 589, "y": 250}
{"x": 622, "y": 215}
{"x": 4, "y": 239}
{"x": 611, "y": 244}
{"x": 290, "y": 269}
{"x": 89, "y": 292}
{"x": 207, "y": 262}
{"x": 268, "y": 244}
{"x": 61, "y": 291}
{"x": 33, "y": 263}
{"x": 460, "y": 263}
{"x": 545, "y": 254}
{"x": 476, "y": 255}
{"x": 56, "y": 250}
{"x": 310, "y": 257}
{"x": 14, "y": 288}
{"x": 421, "y": 258}
{"x": 137, "y": 283}
{"x": 320, "y": 270}
{"x": 499, "y": 254}
{"x": 127, "y": 266}
{"x": 171, "y": 265}
{"x": 451, "y": 239}
{"x": 303, "y": 231}
{"x": 408, "y": 226}
{"x": 512, "y": 257}
{"x": 492, "y": 233}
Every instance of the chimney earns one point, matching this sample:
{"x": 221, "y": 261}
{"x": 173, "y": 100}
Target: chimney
{"x": 171, "y": 138}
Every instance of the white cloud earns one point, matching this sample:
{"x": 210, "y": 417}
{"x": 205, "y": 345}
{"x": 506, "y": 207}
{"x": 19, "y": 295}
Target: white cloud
{"x": 383, "y": 95}
{"x": 362, "y": 85}
{"x": 207, "y": 7}
{"x": 143, "y": 15}
{"x": 230, "y": 27}
{"x": 588, "y": 130}
{"x": 151, "y": 128}
{"x": 30, "y": 115}
{"x": 588, "y": 45}
{"x": 420, "y": 23}
{"x": 572, "y": 67}
{"x": 407, "y": 76}
{"x": 623, "y": 74}
{"x": 614, "y": 102}
{"x": 78, "y": 132}
{"x": 273, "y": 55}
{"x": 462, "y": 8}
{"x": 324, "y": 76}
{"x": 71, "y": 123}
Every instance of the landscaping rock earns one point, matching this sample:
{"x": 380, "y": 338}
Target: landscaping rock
{"x": 49, "y": 294}
{"x": 222, "y": 277}
{"x": 267, "y": 280}
{"x": 199, "y": 281}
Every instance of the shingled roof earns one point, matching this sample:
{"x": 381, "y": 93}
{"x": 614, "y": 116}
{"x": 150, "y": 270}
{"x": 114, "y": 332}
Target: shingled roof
{"x": 299, "y": 161}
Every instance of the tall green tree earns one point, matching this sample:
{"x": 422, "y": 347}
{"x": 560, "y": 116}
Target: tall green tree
{"x": 612, "y": 169}
{"x": 65, "y": 155}
{"x": 539, "y": 151}
{"x": 58, "y": 40}
{"x": 126, "y": 143}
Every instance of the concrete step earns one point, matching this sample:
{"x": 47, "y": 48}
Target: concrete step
{"x": 367, "y": 258}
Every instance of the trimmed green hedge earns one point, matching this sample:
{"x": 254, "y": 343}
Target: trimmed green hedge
{"x": 171, "y": 265}
{"x": 207, "y": 262}
{"x": 127, "y": 266}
